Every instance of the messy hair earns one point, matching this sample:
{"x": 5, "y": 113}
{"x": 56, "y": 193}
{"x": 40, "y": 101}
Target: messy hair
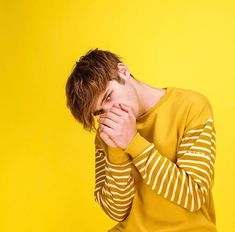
{"x": 88, "y": 80}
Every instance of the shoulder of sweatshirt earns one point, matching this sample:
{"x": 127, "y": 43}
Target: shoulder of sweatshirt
{"x": 189, "y": 95}
{"x": 187, "y": 99}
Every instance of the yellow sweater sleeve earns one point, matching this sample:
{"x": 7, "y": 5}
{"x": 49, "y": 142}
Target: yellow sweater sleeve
{"x": 114, "y": 183}
{"x": 187, "y": 181}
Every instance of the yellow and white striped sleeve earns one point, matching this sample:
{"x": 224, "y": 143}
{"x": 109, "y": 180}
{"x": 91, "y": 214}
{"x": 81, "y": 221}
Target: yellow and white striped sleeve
{"x": 187, "y": 181}
{"x": 114, "y": 183}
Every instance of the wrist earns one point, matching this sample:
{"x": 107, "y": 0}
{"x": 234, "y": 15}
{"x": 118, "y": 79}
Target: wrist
{"x": 117, "y": 155}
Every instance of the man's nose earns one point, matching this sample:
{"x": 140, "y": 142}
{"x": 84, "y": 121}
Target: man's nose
{"x": 107, "y": 108}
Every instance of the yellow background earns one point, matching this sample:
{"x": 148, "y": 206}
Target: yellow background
{"x": 47, "y": 159}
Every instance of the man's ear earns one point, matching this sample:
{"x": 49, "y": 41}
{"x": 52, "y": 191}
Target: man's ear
{"x": 123, "y": 71}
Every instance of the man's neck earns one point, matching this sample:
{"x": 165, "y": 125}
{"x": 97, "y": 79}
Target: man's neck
{"x": 148, "y": 96}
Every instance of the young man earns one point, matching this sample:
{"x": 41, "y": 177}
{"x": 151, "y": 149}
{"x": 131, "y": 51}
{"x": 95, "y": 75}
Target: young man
{"x": 155, "y": 147}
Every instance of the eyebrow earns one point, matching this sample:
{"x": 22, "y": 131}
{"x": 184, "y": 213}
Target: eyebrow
{"x": 105, "y": 95}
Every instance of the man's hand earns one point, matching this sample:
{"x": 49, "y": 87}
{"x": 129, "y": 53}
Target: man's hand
{"x": 105, "y": 136}
{"x": 107, "y": 139}
{"x": 118, "y": 126}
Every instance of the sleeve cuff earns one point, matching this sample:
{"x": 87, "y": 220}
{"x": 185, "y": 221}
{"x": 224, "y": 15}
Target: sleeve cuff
{"x": 117, "y": 155}
{"x": 137, "y": 145}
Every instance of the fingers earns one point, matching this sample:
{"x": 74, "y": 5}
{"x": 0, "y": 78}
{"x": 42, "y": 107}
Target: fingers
{"x": 109, "y": 115}
{"x": 106, "y": 130}
{"x": 127, "y": 109}
{"x": 114, "y": 114}
{"x": 116, "y": 109}
{"x": 108, "y": 122}
{"x": 107, "y": 139}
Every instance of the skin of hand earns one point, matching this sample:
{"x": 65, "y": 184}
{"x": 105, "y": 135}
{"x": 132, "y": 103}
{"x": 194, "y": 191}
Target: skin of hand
{"x": 118, "y": 126}
{"x": 105, "y": 136}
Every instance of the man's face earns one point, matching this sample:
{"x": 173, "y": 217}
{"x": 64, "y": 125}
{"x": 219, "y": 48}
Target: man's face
{"x": 117, "y": 93}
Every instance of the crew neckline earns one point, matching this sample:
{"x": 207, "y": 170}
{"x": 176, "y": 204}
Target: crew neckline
{"x": 160, "y": 101}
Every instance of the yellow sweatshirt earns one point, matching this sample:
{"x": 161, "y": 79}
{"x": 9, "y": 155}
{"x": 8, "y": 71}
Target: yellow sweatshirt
{"x": 162, "y": 182}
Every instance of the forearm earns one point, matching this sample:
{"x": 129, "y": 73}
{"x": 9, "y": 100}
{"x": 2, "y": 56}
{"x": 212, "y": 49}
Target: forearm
{"x": 185, "y": 182}
{"x": 114, "y": 189}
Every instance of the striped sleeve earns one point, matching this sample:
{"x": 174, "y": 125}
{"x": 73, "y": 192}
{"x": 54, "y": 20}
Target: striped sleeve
{"x": 114, "y": 183}
{"x": 187, "y": 181}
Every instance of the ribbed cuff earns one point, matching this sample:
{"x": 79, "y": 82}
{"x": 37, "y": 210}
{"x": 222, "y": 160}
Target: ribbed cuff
{"x": 137, "y": 145}
{"x": 117, "y": 155}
